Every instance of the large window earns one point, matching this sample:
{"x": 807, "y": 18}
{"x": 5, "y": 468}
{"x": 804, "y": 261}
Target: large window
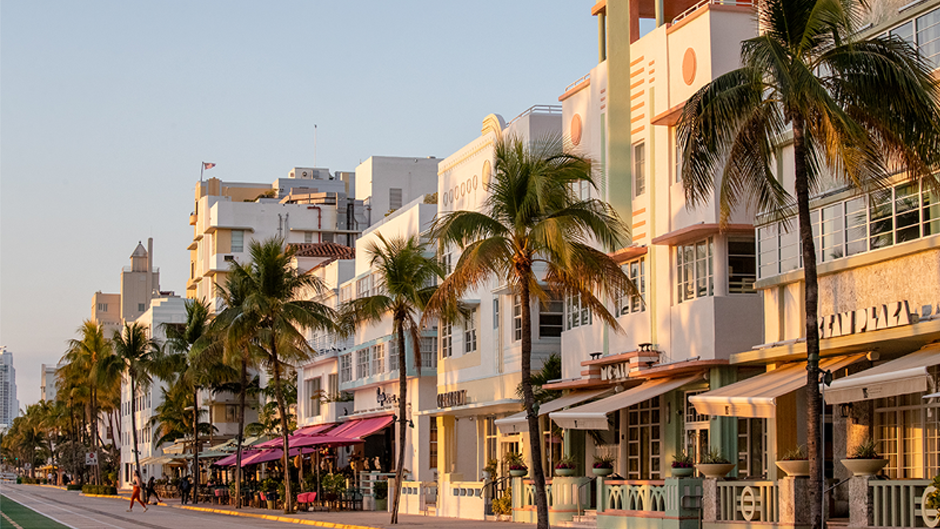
{"x": 644, "y": 440}
{"x": 333, "y": 386}
{"x": 516, "y": 318}
{"x": 908, "y": 431}
{"x": 432, "y": 444}
{"x": 429, "y": 351}
{"x": 695, "y": 270}
{"x": 378, "y": 359}
{"x": 923, "y": 33}
{"x": 742, "y": 266}
{"x": 470, "y": 333}
{"x": 496, "y": 312}
{"x": 393, "y": 353}
{"x": 551, "y": 317}
{"x": 887, "y": 217}
{"x": 636, "y": 271}
{"x": 313, "y": 397}
{"x": 238, "y": 241}
{"x": 639, "y": 168}
{"x": 447, "y": 340}
{"x": 576, "y": 313}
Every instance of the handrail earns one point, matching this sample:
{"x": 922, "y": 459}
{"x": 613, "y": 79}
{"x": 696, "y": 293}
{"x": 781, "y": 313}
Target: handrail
{"x": 846, "y": 480}
{"x": 496, "y": 485}
{"x": 703, "y": 3}
{"x": 583, "y": 78}
{"x": 540, "y": 109}
{"x": 591, "y": 481}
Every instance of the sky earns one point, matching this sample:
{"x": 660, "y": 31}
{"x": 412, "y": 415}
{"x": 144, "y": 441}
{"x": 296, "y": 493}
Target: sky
{"x": 107, "y": 110}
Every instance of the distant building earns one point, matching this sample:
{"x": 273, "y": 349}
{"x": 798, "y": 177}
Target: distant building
{"x": 140, "y": 282}
{"x": 47, "y": 382}
{"x": 386, "y": 183}
{"x": 9, "y": 405}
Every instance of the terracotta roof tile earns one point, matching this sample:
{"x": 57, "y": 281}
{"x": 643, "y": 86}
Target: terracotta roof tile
{"x": 323, "y": 249}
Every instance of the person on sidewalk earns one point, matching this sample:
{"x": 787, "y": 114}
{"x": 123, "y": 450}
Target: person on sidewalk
{"x": 152, "y": 492}
{"x": 185, "y": 486}
{"x": 135, "y": 495}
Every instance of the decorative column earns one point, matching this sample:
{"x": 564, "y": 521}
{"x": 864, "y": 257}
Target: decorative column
{"x": 793, "y": 494}
{"x": 860, "y": 502}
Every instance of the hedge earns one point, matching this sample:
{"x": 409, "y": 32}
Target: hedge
{"x": 107, "y": 490}
{"x": 74, "y": 487}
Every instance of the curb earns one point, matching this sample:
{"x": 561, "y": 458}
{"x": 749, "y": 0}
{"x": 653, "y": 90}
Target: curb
{"x": 285, "y": 519}
{"x": 47, "y": 486}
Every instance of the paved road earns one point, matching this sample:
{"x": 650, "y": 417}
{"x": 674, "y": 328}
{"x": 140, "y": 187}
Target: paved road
{"x": 80, "y": 512}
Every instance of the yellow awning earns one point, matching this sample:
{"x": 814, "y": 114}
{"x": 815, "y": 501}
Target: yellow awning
{"x": 901, "y": 376}
{"x": 757, "y": 396}
{"x": 517, "y": 423}
{"x": 593, "y": 416}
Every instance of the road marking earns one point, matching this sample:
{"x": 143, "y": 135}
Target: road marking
{"x": 35, "y": 497}
{"x": 7, "y": 518}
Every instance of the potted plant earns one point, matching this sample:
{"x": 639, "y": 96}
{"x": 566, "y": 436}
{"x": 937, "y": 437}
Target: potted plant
{"x": 603, "y": 463}
{"x": 269, "y": 488}
{"x": 516, "y": 464}
{"x": 489, "y": 471}
{"x": 865, "y": 459}
{"x": 380, "y": 493}
{"x": 565, "y": 466}
{"x": 683, "y": 465}
{"x": 795, "y": 463}
{"x": 714, "y": 465}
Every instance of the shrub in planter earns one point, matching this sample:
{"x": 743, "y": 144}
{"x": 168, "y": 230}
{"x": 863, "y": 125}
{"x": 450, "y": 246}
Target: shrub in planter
{"x": 714, "y": 464}
{"x": 795, "y": 462}
{"x": 565, "y": 466}
{"x": 380, "y": 490}
{"x": 73, "y": 487}
{"x": 516, "y": 464}
{"x": 503, "y": 504}
{"x": 683, "y": 464}
{"x": 865, "y": 459}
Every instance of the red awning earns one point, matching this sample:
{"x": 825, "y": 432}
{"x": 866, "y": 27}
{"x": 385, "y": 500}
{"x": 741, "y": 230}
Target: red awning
{"x": 298, "y": 435}
{"x": 361, "y": 428}
{"x": 315, "y": 429}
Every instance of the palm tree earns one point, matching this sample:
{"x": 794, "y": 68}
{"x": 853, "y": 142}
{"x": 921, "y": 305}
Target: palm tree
{"x": 135, "y": 353}
{"x": 860, "y": 112}
{"x": 272, "y": 290}
{"x": 86, "y": 355}
{"x": 532, "y": 220}
{"x": 408, "y": 278}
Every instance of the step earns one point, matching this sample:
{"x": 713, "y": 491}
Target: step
{"x": 580, "y": 525}
{"x": 837, "y": 523}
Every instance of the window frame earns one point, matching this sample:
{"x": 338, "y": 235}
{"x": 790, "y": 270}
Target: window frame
{"x": 639, "y": 169}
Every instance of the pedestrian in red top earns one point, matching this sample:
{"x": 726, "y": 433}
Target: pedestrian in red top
{"x": 136, "y": 494}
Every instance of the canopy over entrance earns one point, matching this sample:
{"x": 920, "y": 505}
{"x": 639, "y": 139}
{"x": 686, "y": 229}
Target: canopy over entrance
{"x": 901, "y": 376}
{"x": 593, "y": 416}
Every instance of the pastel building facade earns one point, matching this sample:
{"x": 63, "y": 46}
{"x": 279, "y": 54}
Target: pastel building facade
{"x": 9, "y": 405}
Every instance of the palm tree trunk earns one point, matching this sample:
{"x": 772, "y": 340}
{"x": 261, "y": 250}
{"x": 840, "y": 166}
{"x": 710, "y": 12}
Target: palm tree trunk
{"x": 240, "y": 435}
{"x": 402, "y": 408}
{"x": 196, "y": 472}
{"x": 134, "y": 424}
{"x": 811, "y": 290}
{"x": 94, "y": 432}
{"x": 282, "y": 409}
{"x": 535, "y": 436}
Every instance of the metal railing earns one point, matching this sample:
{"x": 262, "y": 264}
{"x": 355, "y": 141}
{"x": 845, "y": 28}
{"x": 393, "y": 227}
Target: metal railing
{"x": 583, "y": 78}
{"x": 703, "y": 3}
{"x": 536, "y": 109}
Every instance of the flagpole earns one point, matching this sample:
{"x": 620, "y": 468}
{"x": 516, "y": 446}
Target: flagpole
{"x": 202, "y": 167}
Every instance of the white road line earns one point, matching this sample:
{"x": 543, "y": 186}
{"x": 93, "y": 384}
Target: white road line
{"x": 59, "y": 506}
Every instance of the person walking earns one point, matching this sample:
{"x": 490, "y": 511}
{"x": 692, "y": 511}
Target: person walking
{"x": 135, "y": 495}
{"x": 185, "y": 486}
{"x": 152, "y": 491}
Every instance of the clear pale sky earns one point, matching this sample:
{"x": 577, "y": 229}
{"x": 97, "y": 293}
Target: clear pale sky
{"x": 107, "y": 110}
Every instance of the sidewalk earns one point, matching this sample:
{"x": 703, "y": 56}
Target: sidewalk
{"x": 351, "y": 519}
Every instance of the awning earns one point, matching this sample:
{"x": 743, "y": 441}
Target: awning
{"x": 904, "y": 375}
{"x": 360, "y": 428}
{"x": 757, "y": 396}
{"x": 297, "y": 435}
{"x": 517, "y": 423}
{"x": 593, "y": 416}
{"x": 230, "y": 460}
{"x": 315, "y": 429}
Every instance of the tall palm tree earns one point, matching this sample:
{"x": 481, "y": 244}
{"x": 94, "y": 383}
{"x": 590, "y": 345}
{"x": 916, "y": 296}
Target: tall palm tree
{"x": 86, "y": 355}
{"x": 135, "y": 353}
{"x": 860, "y": 112}
{"x": 272, "y": 290}
{"x": 407, "y": 276}
{"x": 533, "y": 225}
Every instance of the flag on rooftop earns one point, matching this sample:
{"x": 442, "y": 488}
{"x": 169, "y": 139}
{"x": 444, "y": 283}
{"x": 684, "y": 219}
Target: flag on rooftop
{"x": 207, "y": 165}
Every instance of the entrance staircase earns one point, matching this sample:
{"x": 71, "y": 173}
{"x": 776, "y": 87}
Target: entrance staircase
{"x": 588, "y": 520}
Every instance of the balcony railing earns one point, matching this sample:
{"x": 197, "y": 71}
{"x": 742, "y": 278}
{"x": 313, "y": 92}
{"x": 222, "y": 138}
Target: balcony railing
{"x": 703, "y": 3}
{"x": 748, "y": 501}
{"x": 900, "y": 503}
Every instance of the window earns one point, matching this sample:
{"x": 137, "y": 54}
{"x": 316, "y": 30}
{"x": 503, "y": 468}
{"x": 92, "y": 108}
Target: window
{"x": 742, "y": 266}
{"x": 362, "y": 362}
{"x": 447, "y": 260}
{"x": 432, "y": 444}
{"x": 677, "y": 155}
{"x": 496, "y": 312}
{"x": 394, "y": 198}
{"x": 924, "y": 34}
{"x": 551, "y": 317}
{"x": 639, "y": 168}
{"x": 516, "y": 318}
{"x": 429, "y": 351}
{"x": 446, "y": 340}
{"x": 378, "y": 359}
{"x": 313, "y": 397}
{"x": 752, "y": 457}
{"x": 332, "y": 385}
{"x": 393, "y": 353}
{"x": 238, "y": 241}
{"x": 345, "y": 369}
{"x": 364, "y": 287}
{"x": 308, "y": 237}
{"x": 636, "y": 271}
{"x": 470, "y": 333}
{"x": 694, "y": 270}
{"x": 895, "y": 215}
{"x": 231, "y": 413}
{"x": 908, "y": 432}
{"x": 644, "y": 454}
{"x": 103, "y": 307}
{"x": 578, "y": 313}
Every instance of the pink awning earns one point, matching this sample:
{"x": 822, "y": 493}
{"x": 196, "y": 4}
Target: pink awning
{"x": 274, "y": 454}
{"x": 315, "y": 429}
{"x": 325, "y": 440}
{"x": 230, "y": 460}
{"x": 361, "y": 428}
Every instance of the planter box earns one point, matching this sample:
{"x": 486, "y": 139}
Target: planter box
{"x": 864, "y": 467}
{"x": 564, "y": 472}
{"x": 795, "y": 468}
{"x": 715, "y": 470}
{"x": 682, "y": 472}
